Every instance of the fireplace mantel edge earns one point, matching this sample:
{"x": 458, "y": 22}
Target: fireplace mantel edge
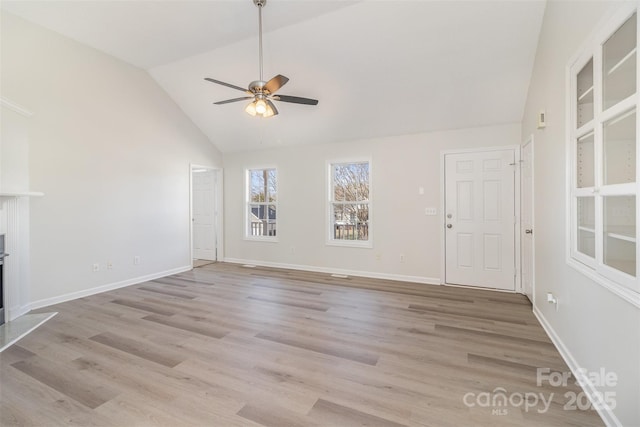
{"x": 21, "y": 194}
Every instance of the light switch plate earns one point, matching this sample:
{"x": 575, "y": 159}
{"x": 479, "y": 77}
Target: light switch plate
{"x": 542, "y": 119}
{"x": 431, "y": 211}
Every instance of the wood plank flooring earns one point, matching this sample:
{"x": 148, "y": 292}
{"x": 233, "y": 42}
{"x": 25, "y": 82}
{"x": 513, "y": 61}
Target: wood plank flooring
{"x": 224, "y": 345}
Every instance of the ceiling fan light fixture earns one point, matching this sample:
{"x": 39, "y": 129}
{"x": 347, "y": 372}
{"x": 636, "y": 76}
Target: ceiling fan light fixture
{"x": 261, "y": 106}
{"x": 251, "y": 108}
{"x": 269, "y": 112}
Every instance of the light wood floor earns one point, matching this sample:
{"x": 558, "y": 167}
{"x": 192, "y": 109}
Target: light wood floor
{"x": 201, "y": 262}
{"x": 224, "y": 345}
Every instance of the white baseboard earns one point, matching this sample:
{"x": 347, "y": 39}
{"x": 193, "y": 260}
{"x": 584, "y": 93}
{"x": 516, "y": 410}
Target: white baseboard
{"x": 369, "y": 274}
{"x": 104, "y": 288}
{"x": 589, "y": 389}
{"x": 15, "y": 312}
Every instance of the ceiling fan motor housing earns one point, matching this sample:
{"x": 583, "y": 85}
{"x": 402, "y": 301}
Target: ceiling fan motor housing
{"x": 257, "y": 86}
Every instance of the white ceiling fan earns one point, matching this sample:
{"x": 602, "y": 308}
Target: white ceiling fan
{"x": 263, "y": 92}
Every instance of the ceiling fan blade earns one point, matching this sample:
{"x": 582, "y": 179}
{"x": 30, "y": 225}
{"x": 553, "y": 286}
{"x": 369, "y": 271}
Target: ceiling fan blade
{"x": 226, "y": 84}
{"x": 273, "y": 107}
{"x": 276, "y": 83}
{"x": 228, "y": 101}
{"x": 296, "y": 99}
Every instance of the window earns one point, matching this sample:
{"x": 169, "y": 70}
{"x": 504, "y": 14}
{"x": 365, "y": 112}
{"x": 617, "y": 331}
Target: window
{"x": 262, "y": 195}
{"x": 603, "y": 140}
{"x": 349, "y": 204}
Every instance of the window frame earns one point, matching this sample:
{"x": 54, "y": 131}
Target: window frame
{"x": 620, "y": 283}
{"x": 248, "y": 203}
{"x": 330, "y": 240}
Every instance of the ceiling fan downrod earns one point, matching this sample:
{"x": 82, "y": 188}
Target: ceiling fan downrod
{"x": 260, "y": 4}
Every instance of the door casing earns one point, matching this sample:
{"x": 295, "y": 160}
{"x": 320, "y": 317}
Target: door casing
{"x": 219, "y": 209}
{"x": 530, "y": 144}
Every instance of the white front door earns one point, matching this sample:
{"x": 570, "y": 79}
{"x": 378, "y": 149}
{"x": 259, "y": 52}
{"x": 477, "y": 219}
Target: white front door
{"x": 204, "y": 224}
{"x": 526, "y": 238}
{"x": 480, "y": 219}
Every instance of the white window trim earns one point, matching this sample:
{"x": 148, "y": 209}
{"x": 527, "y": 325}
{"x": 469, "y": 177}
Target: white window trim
{"x": 330, "y": 241}
{"x": 581, "y": 263}
{"x": 245, "y": 226}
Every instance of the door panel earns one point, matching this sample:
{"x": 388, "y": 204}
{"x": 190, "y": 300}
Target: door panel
{"x": 465, "y": 200}
{"x": 465, "y": 250}
{"x": 204, "y": 227}
{"x": 492, "y": 250}
{"x": 480, "y": 213}
{"x": 491, "y": 201}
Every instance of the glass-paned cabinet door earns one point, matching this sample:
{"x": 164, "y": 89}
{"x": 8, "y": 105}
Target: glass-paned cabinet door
{"x": 620, "y": 233}
{"x": 585, "y": 161}
{"x": 602, "y": 139}
{"x": 619, "y": 64}
{"x": 619, "y": 149}
{"x": 584, "y": 102}
{"x": 586, "y": 233}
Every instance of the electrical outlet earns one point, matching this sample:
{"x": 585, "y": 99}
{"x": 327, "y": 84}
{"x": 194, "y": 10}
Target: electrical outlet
{"x": 401, "y": 257}
{"x": 552, "y": 299}
{"x": 136, "y": 260}
{"x": 95, "y": 267}
{"x": 109, "y": 265}
{"x": 378, "y": 257}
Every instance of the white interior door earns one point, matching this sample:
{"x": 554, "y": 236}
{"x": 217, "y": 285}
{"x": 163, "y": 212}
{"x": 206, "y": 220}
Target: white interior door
{"x": 527, "y": 219}
{"x": 480, "y": 219}
{"x": 204, "y": 214}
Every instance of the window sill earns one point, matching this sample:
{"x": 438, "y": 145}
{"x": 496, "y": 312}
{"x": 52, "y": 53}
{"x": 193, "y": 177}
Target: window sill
{"x": 366, "y": 244}
{"x": 625, "y": 293}
{"x": 266, "y": 239}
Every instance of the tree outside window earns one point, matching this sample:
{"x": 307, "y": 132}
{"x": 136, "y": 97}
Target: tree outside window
{"x": 262, "y": 202}
{"x": 350, "y": 202}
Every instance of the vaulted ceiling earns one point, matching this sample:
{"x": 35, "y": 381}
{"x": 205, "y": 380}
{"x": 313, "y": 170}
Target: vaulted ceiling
{"x": 379, "y": 68}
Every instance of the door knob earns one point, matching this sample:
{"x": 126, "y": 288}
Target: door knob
{"x": 529, "y": 231}
{"x": 449, "y": 225}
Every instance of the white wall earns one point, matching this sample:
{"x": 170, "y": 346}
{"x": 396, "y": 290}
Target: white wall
{"x": 596, "y": 328}
{"x": 14, "y": 152}
{"x": 400, "y": 165}
{"x": 111, "y": 152}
